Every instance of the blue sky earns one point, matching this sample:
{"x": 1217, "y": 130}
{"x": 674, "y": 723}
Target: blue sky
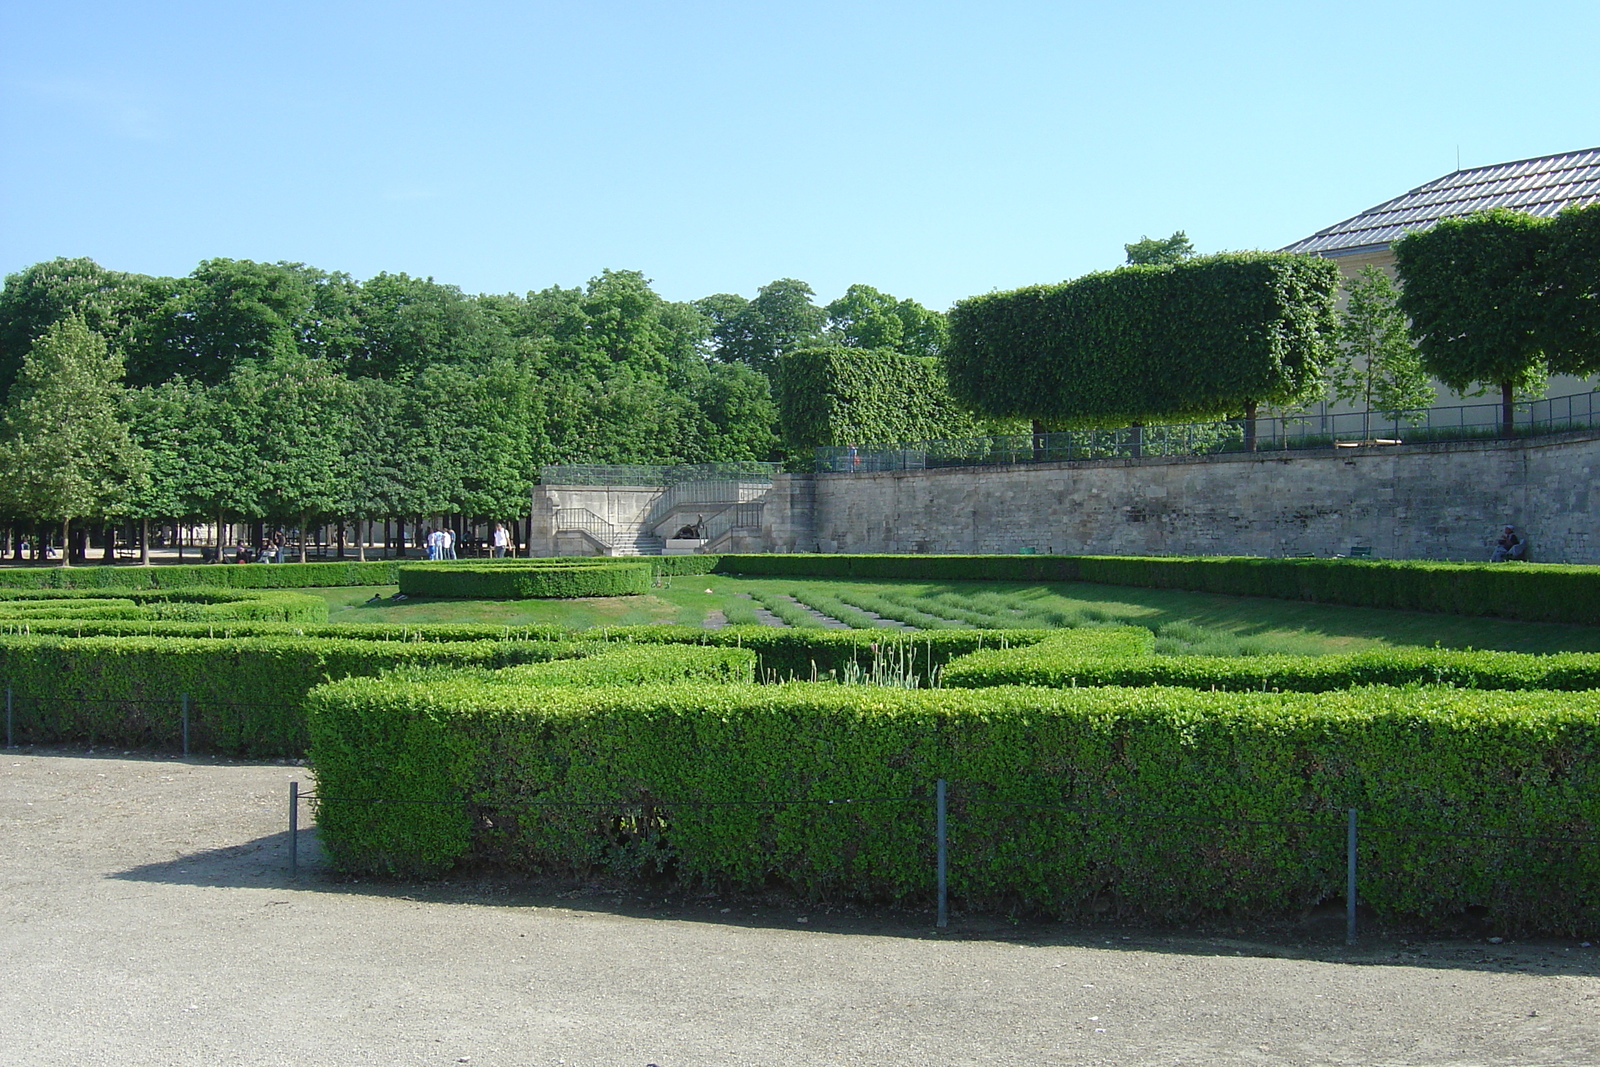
{"x": 934, "y": 150}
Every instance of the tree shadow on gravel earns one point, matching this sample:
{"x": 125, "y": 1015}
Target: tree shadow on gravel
{"x": 1316, "y": 936}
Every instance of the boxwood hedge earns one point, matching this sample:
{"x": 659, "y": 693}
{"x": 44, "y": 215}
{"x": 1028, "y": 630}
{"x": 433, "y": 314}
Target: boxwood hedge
{"x": 525, "y": 579}
{"x": 1074, "y": 659}
{"x": 826, "y": 789}
{"x": 246, "y": 695}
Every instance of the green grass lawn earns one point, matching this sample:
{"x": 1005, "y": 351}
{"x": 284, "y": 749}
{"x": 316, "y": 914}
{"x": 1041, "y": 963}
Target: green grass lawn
{"x": 1183, "y": 621}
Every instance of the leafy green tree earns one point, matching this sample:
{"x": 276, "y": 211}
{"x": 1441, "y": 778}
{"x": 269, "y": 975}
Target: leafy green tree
{"x": 230, "y": 310}
{"x": 126, "y": 309}
{"x": 1473, "y": 289}
{"x": 1211, "y": 337}
{"x": 68, "y": 453}
{"x": 781, "y": 318}
{"x": 1159, "y": 251}
{"x": 864, "y": 317}
{"x": 1571, "y": 321}
{"x": 736, "y": 404}
{"x": 1377, "y": 366}
{"x": 406, "y": 323}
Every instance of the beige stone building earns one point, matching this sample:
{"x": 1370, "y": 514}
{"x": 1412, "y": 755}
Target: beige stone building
{"x": 1541, "y": 186}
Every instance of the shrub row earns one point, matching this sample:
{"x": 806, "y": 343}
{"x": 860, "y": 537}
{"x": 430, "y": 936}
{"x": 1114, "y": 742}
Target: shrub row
{"x": 216, "y": 575}
{"x": 198, "y": 605}
{"x": 245, "y": 694}
{"x": 702, "y": 780}
{"x": 1064, "y": 662}
{"x": 1535, "y": 592}
{"x": 526, "y": 579}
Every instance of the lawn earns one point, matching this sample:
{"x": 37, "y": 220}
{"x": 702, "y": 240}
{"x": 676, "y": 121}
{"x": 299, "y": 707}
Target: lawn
{"x": 1183, "y": 622}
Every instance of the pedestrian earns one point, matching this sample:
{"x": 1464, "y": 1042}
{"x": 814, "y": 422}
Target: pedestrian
{"x": 447, "y": 543}
{"x": 501, "y": 540}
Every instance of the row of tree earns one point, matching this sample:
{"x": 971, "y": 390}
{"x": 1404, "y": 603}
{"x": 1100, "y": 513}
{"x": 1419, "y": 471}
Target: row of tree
{"x": 282, "y": 394}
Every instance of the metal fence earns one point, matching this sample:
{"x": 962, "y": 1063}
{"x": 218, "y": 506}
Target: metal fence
{"x": 1580, "y": 411}
{"x": 653, "y": 475}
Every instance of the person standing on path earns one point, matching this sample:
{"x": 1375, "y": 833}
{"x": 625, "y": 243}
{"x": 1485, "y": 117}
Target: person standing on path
{"x": 501, "y": 540}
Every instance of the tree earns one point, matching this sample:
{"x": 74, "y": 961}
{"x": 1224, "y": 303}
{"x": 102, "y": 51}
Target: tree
{"x": 1155, "y": 252}
{"x": 1211, "y": 337}
{"x": 406, "y": 323}
{"x": 1474, "y": 291}
{"x": 126, "y": 309}
{"x": 68, "y": 453}
{"x": 1570, "y": 329}
{"x": 867, "y": 318}
{"x": 1377, "y": 366}
{"x": 779, "y": 319}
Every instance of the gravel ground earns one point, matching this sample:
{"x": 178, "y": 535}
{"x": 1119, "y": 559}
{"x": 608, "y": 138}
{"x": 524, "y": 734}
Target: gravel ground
{"x": 147, "y": 917}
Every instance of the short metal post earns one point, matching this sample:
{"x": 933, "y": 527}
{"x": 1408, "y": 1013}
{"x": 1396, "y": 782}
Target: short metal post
{"x": 294, "y": 829}
{"x": 10, "y": 739}
{"x": 1350, "y": 878}
{"x": 939, "y": 834}
{"x": 186, "y": 724}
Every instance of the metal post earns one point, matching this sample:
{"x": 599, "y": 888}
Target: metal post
{"x": 186, "y": 724}
{"x": 939, "y": 834}
{"x": 294, "y": 829}
{"x": 1350, "y": 878}
{"x": 10, "y": 739}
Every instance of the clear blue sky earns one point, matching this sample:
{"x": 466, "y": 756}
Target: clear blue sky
{"x": 934, "y": 150}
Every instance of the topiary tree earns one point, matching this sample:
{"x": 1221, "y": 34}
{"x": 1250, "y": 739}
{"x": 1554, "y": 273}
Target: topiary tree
{"x": 1474, "y": 291}
{"x": 1570, "y": 326}
{"x": 834, "y": 395}
{"x": 1209, "y": 337}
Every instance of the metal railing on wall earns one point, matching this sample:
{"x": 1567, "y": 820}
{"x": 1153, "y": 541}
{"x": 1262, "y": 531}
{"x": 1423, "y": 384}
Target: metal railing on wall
{"x": 653, "y": 475}
{"x": 582, "y": 520}
{"x": 1580, "y": 411}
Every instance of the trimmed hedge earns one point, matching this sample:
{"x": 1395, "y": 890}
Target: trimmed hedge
{"x": 693, "y": 779}
{"x": 245, "y": 694}
{"x": 213, "y": 575}
{"x": 275, "y": 605}
{"x": 1063, "y": 662}
{"x": 526, "y": 579}
{"x": 795, "y": 653}
{"x": 1206, "y": 338}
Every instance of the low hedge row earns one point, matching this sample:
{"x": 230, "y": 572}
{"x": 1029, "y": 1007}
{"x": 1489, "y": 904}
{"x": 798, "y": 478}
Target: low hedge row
{"x": 246, "y": 694}
{"x": 803, "y": 654}
{"x": 526, "y": 579}
{"x": 1535, "y": 592}
{"x": 1066, "y": 661}
{"x": 745, "y": 785}
{"x": 216, "y": 575}
{"x": 197, "y": 605}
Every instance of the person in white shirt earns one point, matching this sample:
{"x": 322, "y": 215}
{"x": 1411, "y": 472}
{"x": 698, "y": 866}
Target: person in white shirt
{"x": 502, "y": 540}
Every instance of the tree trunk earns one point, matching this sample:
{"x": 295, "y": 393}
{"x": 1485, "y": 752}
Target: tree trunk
{"x": 66, "y": 543}
{"x": 144, "y": 542}
{"x": 362, "y": 525}
{"x": 1250, "y": 426}
{"x": 1507, "y": 393}
{"x": 303, "y": 520}
{"x": 110, "y": 534}
{"x": 1136, "y": 440}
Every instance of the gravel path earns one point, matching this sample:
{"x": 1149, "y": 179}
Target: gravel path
{"x": 146, "y": 917}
